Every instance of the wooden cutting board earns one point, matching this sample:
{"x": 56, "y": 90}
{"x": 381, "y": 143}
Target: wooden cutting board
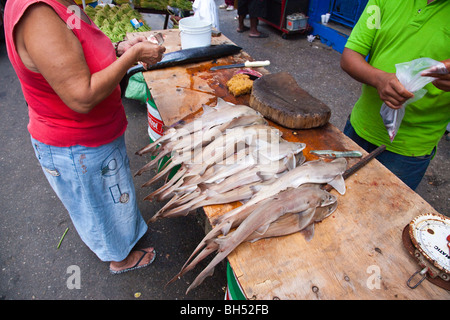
{"x": 279, "y": 98}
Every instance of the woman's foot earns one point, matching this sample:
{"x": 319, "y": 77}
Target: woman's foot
{"x": 135, "y": 260}
{"x": 258, "y": 35}
{"x": 244, "y": 28}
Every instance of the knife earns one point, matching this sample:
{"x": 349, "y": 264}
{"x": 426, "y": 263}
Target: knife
{"x": 241, "y": 65}
{"x": 337, "y": 154}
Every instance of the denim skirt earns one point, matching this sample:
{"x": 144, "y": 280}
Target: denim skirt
{"x": 96, "y": 187}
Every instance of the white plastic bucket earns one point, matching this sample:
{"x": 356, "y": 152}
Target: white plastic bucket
{"x": 194, "y": 32}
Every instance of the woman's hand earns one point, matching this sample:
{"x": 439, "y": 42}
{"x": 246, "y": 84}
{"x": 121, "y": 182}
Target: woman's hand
{"x": 147, "y": 52}
{"x": 127, "y": 44}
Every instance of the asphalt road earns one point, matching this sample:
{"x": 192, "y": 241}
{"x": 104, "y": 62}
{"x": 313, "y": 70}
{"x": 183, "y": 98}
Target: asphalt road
{"x": 32, "y": 219}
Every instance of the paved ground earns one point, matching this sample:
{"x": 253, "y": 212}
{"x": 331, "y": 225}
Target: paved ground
{"x": 32, "y": 219}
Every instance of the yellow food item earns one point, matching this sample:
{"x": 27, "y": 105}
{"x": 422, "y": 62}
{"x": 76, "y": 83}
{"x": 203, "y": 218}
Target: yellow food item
{"x": 240, "y": 84}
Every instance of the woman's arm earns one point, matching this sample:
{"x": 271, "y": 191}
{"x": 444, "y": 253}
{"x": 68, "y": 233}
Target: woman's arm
{"x": 46, "y": 45}
{"x": 390, "y": 90}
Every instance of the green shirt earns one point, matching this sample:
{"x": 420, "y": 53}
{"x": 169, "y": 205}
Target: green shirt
{"x": 395, "y": 31}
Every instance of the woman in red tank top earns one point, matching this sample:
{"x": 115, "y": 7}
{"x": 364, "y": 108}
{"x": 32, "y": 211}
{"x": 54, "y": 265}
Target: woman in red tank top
{"x": 70, "y": 78}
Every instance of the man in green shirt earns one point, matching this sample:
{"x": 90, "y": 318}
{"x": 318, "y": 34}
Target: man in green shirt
{"x": 388, "y": 33}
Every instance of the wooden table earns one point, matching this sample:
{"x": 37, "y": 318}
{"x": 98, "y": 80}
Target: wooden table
{"x": 356, "y": 253}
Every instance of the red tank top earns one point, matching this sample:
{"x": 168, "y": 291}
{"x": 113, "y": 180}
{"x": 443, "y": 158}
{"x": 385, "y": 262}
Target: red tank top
{"x": 51, "y": 121}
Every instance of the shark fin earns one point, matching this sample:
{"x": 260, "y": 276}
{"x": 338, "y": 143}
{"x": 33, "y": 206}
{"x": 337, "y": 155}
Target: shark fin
{"x": 308, "y": 232}
{"x": 338, "y": 183}
{"x": 222, "y": 103}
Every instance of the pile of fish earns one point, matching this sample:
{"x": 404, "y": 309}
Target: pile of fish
{"x": 229, "y": 154}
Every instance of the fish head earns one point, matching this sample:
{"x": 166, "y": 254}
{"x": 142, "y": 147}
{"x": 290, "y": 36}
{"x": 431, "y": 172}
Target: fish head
{"x": 246, "y": 120}
{"x": 292, "y": 147}
{"x": 323, "y": 212}
{"x": 327, "y": 199}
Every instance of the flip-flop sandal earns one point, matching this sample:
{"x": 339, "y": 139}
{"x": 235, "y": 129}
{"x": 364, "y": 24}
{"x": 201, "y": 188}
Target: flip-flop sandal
{"x": 243, "y": 30}
{"x": 137, "y": 266}
{"x": 261, "y": 35}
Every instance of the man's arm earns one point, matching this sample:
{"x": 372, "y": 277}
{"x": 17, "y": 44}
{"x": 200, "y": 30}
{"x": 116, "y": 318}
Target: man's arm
{"x": 390, "y": 90}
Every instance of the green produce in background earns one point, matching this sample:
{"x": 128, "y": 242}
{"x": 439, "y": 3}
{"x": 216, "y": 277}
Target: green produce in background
{"x": 153, "y": 4}
{"x": 181, "y": 4}
{"x": 162, "y": 4}
{"x": 114, "y": 21}
{"x": 120, "y": 2}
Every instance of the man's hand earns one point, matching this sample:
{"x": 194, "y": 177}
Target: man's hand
{"x": 391, "y": 91}
{"x": 443, "y": 80}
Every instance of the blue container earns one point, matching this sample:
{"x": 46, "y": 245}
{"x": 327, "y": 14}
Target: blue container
{"x": 347, "y": 12}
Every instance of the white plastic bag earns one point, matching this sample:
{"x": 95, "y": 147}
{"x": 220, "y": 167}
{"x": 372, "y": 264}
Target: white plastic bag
{"x": 206, "y": 10}
{"x": 409, "y": 75}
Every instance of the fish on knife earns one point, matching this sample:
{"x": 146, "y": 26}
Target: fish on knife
{"x": 190, "y": 55}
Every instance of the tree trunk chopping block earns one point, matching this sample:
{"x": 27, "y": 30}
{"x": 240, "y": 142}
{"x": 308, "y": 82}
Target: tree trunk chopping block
{"x": 278, "y": 97}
